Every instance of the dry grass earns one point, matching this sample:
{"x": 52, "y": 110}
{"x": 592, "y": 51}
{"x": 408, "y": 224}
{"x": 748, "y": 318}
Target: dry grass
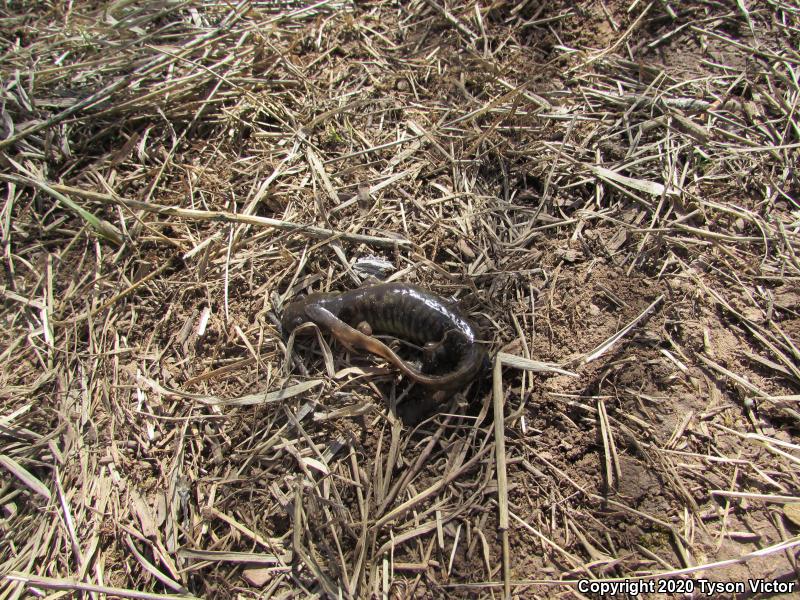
{"x": 609, "y": 187}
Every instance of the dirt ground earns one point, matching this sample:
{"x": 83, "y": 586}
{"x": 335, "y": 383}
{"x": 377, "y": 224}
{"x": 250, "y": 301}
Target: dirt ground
{"x": 608, "y": 188}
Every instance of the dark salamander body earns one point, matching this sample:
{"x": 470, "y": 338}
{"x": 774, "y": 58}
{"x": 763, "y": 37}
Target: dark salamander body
{"x": 401, "y": 310}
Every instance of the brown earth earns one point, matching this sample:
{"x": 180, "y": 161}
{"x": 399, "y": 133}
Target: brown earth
{"x": 489, "y": 122}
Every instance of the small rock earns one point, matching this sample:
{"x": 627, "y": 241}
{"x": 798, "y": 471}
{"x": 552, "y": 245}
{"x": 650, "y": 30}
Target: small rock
{"x": 365, "y": 200}
{"x": 569, "y": 255}
{"x": 257, "y": 577}
{"x": 466, "y": 250}
{"x": 792, "y": 512}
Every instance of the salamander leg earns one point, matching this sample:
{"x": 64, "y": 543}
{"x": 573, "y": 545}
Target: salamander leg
{"x": 364, "y": 327}
{"x": 431, "y": 356}
{"x": 444, "y": 354}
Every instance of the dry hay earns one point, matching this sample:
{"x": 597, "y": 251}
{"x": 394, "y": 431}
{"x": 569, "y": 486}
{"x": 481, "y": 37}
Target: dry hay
{"x": 606, "y": 186}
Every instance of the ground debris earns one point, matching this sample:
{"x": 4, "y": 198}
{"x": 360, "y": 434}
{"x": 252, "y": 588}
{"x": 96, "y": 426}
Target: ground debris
{"x": 608, "y": 188}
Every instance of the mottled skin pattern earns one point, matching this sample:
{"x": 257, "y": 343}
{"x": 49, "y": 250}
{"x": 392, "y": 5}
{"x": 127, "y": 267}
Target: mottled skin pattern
{"x": 402, "y": 310}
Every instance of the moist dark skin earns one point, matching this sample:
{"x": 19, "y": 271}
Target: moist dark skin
{"x": 402, "y": 310}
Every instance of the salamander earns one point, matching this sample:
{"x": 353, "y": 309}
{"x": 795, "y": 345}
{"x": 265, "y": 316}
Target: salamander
{"x": 402, "y": 310}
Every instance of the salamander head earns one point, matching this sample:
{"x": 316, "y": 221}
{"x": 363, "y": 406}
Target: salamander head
{"x": 293, "y": 316}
